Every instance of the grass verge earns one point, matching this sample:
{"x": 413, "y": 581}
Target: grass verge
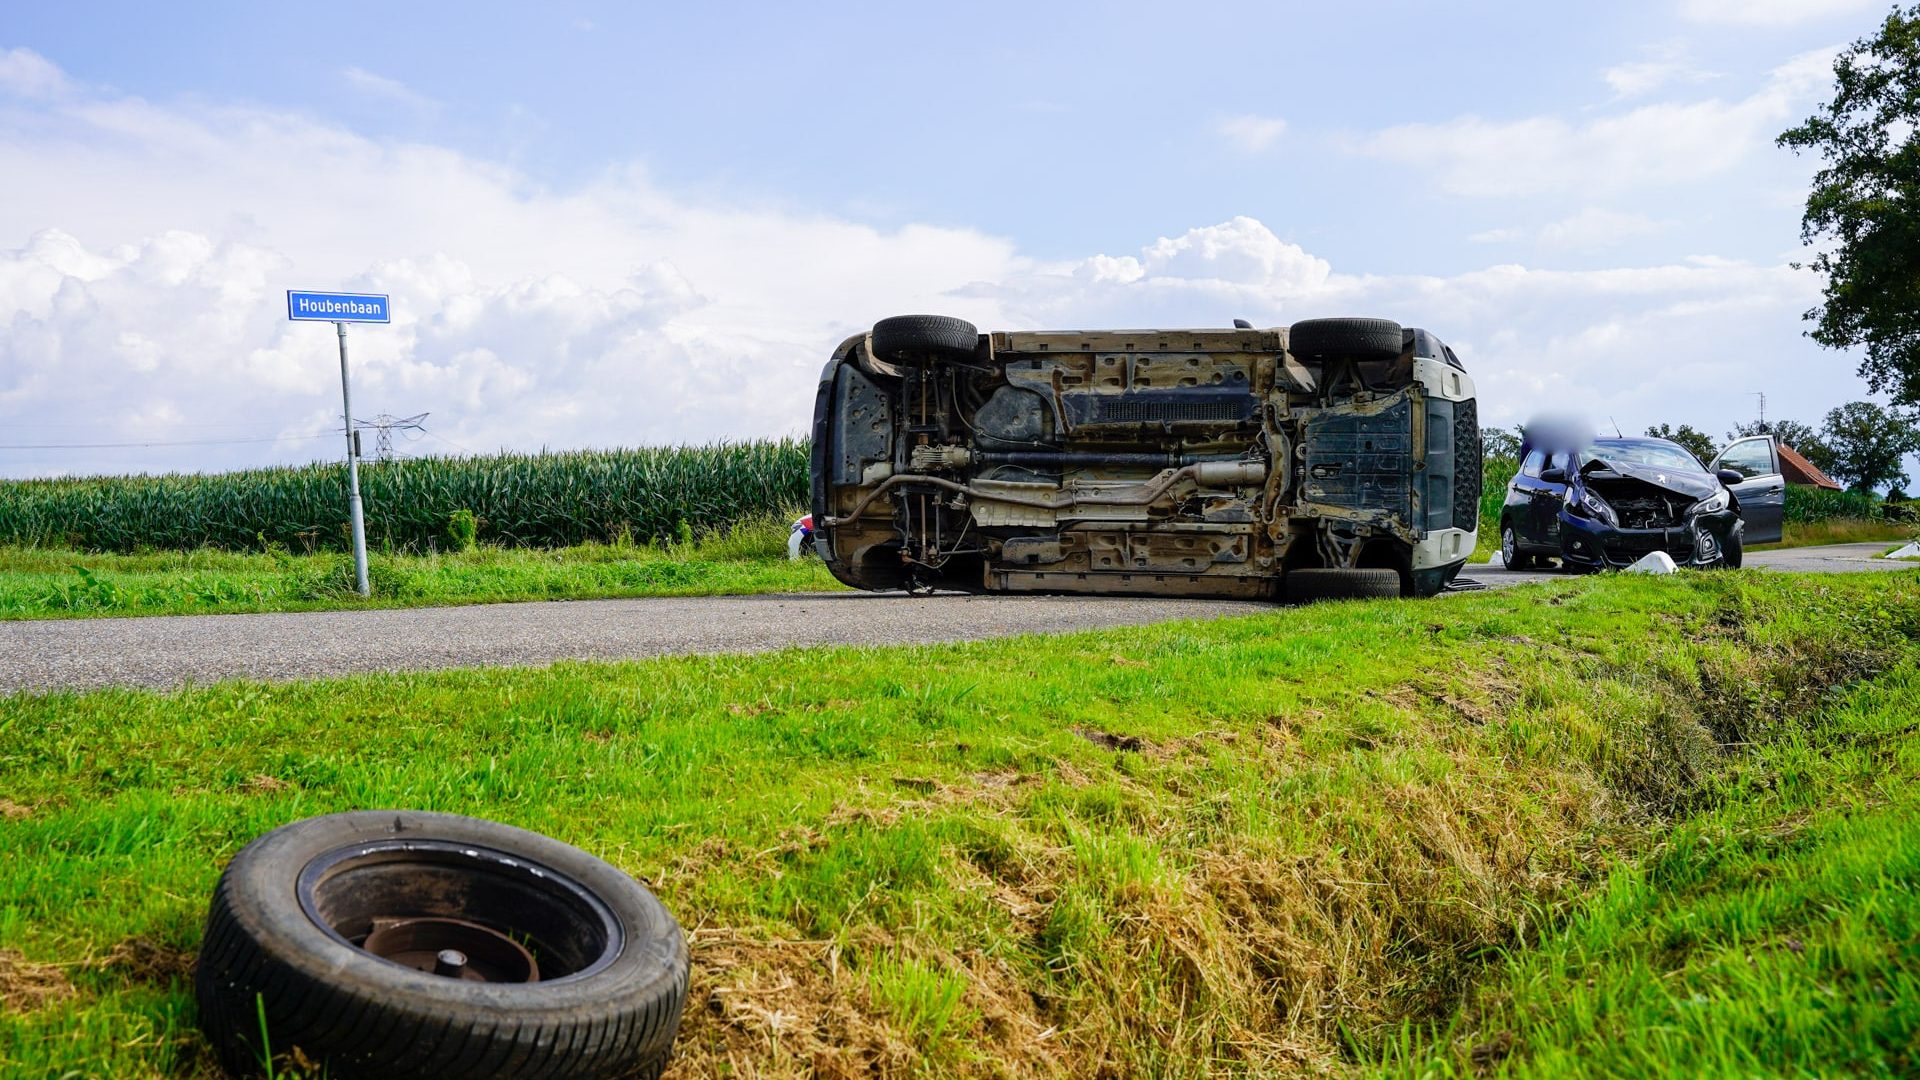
{"x": 1838, "y": 531}
{"x": 1296, "y": 840}
{"x": 1777, "y": 934}
{"x": 55, "y": 583}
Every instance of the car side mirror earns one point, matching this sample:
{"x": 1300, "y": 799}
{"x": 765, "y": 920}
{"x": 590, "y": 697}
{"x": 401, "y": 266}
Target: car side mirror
{"x": 1554, "y": 476}
{"x": 1730, "y": 477}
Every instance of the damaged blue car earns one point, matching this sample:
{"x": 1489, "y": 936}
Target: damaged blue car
{"x": 1617, "y": 500}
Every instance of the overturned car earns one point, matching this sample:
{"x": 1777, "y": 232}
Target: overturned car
{"x": 1617, "y": 500}
{"x": 1335, "y": 455}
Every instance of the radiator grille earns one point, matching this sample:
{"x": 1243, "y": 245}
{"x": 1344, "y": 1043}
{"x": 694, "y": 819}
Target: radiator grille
{"x": 1466, "y": 465}
{"x": 1209, "y": 405}
{"x": 1122, "y": 410}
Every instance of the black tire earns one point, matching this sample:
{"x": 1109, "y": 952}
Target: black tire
{"x": 1733, "y": 552}
{"x": 920, "y": 337}
{"x": 1510, "y": 554}
{"x": 279, "y": 951}
{"x": 1353, "y": 339}
{"x": 1316, "y": 583}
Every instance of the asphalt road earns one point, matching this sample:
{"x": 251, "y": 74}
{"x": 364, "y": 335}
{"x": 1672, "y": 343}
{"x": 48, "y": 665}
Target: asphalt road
{"x": 37, "y": 656}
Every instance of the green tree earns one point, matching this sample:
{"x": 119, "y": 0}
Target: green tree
{"x": 1697, "y": 442}
{"x": 1864, "y": 210}
{"x": 1499, "y": 443}
{"x": 1868, "y": 443}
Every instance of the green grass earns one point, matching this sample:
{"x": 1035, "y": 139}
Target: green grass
{"x": 1838, "y": 531}
{"x": 51, "y": 583}
{"x": 1777, "y": 934}
{"x": 1342, "y": 823}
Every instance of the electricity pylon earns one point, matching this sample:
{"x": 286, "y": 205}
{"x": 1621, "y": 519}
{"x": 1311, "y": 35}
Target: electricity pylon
{"x": 383, "y": 427}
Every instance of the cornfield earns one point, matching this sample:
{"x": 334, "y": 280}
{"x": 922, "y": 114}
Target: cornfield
{"x": 517, "y": 500}
{"x": 1495, "y": 475}
{"x": 1810, "y": 505}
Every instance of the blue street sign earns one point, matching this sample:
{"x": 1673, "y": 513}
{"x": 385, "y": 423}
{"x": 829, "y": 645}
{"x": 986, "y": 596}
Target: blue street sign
{"x": 338, "y": 307}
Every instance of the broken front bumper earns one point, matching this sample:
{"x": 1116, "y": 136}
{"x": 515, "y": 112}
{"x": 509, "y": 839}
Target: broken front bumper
{"x": 1698, "y": 542}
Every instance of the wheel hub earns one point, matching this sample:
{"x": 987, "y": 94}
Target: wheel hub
{"x": 452, "y": 948}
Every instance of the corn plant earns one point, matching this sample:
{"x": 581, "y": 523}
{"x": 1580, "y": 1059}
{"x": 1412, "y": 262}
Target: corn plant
{"x": 516, "y": 500}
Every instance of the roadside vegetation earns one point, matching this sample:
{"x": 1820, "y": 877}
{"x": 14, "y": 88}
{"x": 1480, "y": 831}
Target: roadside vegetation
{"x": 419, "y": 505}
{"x": 750, "y": 557}
{"x": 1539, "y": 831}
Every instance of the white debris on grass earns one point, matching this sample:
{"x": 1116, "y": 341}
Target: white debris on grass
{"x": 1654, "y": 562}
{"x": 1911, "y": 551}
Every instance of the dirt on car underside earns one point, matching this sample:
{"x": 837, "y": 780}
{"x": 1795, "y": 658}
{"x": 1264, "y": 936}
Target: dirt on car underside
{"x": 1170, "y": 462}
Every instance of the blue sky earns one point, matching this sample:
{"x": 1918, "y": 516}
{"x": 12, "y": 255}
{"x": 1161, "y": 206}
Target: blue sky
{"x": 599, "y": 221}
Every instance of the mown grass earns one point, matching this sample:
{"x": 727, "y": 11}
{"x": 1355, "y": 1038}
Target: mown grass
{"x": 1335, "y": 823}
{"x": 55, "y": 583}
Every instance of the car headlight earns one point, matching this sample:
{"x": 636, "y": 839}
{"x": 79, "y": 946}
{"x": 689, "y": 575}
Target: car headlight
{"x": 1713, "y": 503}
{"x": 1592, "y": 506}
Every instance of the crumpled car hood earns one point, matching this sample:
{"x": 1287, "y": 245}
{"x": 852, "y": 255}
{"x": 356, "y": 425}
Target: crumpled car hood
{"x": 1692, "y": 485}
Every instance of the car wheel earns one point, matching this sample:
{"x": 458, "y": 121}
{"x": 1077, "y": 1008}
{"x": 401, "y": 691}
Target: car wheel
{"x": 920, "y": 337}
{"x": 1315, "y": 583}
{"x": 406, "y": 944}
{"x": 1355, "y": 339}
{"x": 1510, "y": 552}
{"x": 1731, "y": 553}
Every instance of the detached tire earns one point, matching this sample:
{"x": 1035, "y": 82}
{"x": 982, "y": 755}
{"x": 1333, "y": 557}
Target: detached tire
{"x": 296, "y": 913}
{"x": 1353, "y": 339}
{"x": 1316, "y": 583}
{"x": 921, "y": 337}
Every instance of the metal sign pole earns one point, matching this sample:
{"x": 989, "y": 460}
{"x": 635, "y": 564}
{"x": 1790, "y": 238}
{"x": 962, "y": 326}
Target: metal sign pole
{"x": 353, "y": 474}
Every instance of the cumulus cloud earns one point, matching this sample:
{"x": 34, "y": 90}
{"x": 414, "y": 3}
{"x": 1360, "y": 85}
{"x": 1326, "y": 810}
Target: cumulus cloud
{"x": 1653, "y": 145}
{"x": 622, "y": 313}
{"x": 614, "y": 314}
{"x": 1252, "y": 134}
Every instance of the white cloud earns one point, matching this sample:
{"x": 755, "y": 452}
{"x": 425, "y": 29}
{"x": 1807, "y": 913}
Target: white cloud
{"x": 621, "y": 313}
{"x": 1252, "y": 134}
{"x": 1663, "y": 65}
{"x": 392, "y": 91}
{"x": 25, "y": 73}
{"x": 1768, "y": 12}
{"x": 1591, "y": 229}
{"x": 1653, "y": 145}
{"x": 616, "y": 314}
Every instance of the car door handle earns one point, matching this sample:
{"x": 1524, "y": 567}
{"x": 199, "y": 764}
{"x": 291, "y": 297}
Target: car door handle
{"x": 1773, "y": 490}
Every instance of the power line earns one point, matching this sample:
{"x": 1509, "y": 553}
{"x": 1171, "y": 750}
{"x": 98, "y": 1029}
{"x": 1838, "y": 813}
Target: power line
{"x": 384, "y": 426}
{"x": 449, "y": 442}
{"x": 173, "y": 442}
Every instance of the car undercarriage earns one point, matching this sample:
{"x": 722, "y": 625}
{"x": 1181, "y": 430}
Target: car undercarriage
{"x": 1240, "y": 462}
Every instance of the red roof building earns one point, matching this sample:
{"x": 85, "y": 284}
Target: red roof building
{"x": 1798, "y": 470}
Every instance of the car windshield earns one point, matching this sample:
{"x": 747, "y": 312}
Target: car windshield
{"x": 1659, "y": 455}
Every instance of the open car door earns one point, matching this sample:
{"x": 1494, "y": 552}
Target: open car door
{"x": 1763, "y": 494}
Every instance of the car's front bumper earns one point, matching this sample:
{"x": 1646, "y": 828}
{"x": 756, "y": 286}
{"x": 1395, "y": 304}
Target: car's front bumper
{"x": 1701, "y": 541}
